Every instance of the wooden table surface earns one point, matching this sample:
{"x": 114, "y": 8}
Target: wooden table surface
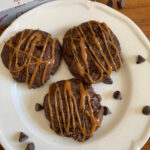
{"x": 139, "y": 12}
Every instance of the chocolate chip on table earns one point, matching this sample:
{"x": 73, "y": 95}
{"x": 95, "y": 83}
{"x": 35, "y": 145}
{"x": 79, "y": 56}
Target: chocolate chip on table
{"x": 38, "y": 107}
{"x": 106, "y": 111}
{"x": 140, "y": 59}
{"x": 146, "y": 110}
{"x": 110, "y": 3}
{"x": 22, "y": 137}
{"x": 30, "y": 146}
{"x": 108, "y": 81}
{"x": 121, "y": 3}
{"x": 117, "y": 95}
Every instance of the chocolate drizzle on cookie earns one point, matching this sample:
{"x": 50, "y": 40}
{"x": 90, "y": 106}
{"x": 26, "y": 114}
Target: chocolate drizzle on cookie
{"x": 71, "y": 117}
{"x": 31, "y": 41}
{"x": 88, "y": 43}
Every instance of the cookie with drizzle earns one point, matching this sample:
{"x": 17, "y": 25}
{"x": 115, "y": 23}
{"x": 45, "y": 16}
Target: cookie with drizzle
{"x": 92, "y": 52}
{"x": 32, "y": 56}
{"x": 73, "y": 109}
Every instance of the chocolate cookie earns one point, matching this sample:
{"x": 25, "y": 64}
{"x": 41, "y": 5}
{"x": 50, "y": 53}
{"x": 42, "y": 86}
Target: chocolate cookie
{"x": 73, "y": 109}
{"x": 92, "y": 51}
{"x": 32, "y": 56}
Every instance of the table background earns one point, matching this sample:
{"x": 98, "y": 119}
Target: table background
{"x": 139, "y": 12}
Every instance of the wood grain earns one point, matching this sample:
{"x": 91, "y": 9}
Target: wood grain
{"x": 139, "y": 12}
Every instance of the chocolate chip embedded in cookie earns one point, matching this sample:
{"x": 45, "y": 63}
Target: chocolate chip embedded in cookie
{"x": 32, "y": 56}
{"x": 73, "y": 109}
{"x": 92, "y": 52}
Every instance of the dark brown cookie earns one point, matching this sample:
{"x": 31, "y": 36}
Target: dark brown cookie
{"x": 32, "y": 56}
{"x": 91, "y": 51}
{"x": 73, "y": 109}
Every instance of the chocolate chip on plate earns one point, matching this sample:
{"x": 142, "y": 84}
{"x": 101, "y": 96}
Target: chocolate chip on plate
{"x": 30, "y": 146}
{"x": 38, "y": 107}
{"x": 121, "y": 3}
{"x": 110, "y": 3}
{"x": 117, "y": 95}
{"x": 22, "y": 137}
{"x": 146, "y": 110}
{"x": 140, "y": 59}
{"x": 108, "y": 81}
{"x": 106, "y": 111}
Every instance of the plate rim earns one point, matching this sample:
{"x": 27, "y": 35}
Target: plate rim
{"x": 136, "y": 29}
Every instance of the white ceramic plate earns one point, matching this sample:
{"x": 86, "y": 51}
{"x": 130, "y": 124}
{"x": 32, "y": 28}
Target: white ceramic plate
{"x": 126, "y": 129}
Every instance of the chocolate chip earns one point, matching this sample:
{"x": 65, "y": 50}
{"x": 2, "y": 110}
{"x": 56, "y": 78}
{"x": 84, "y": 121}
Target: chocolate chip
{"x": 30, "y": 146}
{"x": 117, "y": 95}
{"x": 146, "y": 110}
{"x": 110, "y": 3}
{"x": 39, "y": 47}
{"x": 140, "y": 59}
{"x": 38, "y": 107}
{"x": 106, "y": 111}
{"x": 121, "y": 3}
{"x": 108, "y": 81}
{"x": 22, "y": 137}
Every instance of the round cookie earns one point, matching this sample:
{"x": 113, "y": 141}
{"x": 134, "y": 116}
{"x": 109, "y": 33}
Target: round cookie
{"x": 32, "y": 56}
{"x": 73, "y": 109}
{"x": 92, "y": 52}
